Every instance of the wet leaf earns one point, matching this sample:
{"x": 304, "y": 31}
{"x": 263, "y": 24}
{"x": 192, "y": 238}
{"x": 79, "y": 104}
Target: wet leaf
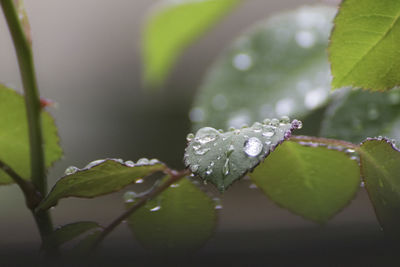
{"x": 179, "y": 220}
{"x": 380, "y": 168}
{"x": 278, "y": 67}
{"x": 14, "y": 139}
{"x": 358, "y": 114}
{"x": 364, "y": 45}
{"x": 314, "y": 182}
{"x": 99, "y": 178}
{"x": 172, "y": 27}
{"x": 70, "y": 231}
{"x": 222, "y": 158}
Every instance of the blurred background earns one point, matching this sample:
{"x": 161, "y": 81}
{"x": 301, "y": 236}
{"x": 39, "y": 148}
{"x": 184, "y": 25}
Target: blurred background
{"x": 87, "y": 56}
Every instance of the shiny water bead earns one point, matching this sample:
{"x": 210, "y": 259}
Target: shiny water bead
{"x": 253, "y": 147}
{"x": 189, "y": 137}
{"x": 71, "y": 170}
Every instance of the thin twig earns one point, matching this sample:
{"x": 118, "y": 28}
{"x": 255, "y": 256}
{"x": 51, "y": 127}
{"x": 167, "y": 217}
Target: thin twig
{"x": 174, "y": 176}
{"x": 322, "y": 140}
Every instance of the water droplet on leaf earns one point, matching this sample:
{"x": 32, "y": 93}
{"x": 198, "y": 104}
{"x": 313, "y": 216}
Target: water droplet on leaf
{"x": 253, "y": 147}
{"x": 71, "y": 170}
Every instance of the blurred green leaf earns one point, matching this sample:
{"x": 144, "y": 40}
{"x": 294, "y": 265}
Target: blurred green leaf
{"x": 380, "y": 168}
{"x": 364, "y": 45}
{"x": 179, "y": 220}
{"x": 314, "y": 182}
{"x": 172, "y": 27}
{"x": 279, "y": 67}
{"x": 98, "y": 178}
{"x": 14, "y": 139}
{"x": 70, "y": 231}
{"x": 356, "y": 115}
{"x": 223, "y": 158}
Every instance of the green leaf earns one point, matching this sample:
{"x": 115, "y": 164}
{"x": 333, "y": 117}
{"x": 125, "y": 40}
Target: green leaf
{"x": 223, "y": 158}
{"x": 364, "y": 45}
{"x": 173, "y": 27}
{"x": 14, "y": 139}
{"x": 100, "y": 177}
{"x": 179, "y": 220}
{"x": 70, "y": 231}
{"x": 380, "y": 168}
{"x": 357, "y": 114}
{"x": 278, "y": 67}
{"x": 314, "y": 182}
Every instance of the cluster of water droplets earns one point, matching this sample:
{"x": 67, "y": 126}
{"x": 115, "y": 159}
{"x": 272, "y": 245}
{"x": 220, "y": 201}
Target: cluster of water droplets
{"x": 129, "y": 163}
{"x": 214, "y": 154}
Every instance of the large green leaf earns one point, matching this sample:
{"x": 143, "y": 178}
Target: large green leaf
{"x": 100, "y": 177}
{"x": 359, "y": 114}
{"x": 14, "y": 139}
{"x": 380, "y": 168}
{"x": 70, "y": 231}
{"x": 223, "y": 158}
{"x": 314, "y": 182}
{"x": 364, "y": 45}
{"x": 279, "y": 67}
{"x": 179, "y": 220}
{"x": 172, "y": 28}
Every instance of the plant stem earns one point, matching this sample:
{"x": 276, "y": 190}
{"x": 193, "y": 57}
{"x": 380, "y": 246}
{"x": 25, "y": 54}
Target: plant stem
{"x": 32, "y": 101}
{"x": 174, "y": 176}
{"x": 322, "y": 140}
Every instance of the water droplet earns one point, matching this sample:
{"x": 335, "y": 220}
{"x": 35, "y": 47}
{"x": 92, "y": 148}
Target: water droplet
{"x": 349, "y": 151}
{"x": 268, "y": 142}
{"x": 257, "y": 127}
{"x": 189, "y": 137}
{"x": 219, "y": 102}
{"x": 285, "y": 119}
{"x": 156, "y": 208}
{"x": 230, "y": 150}
{"x": 242, "y": 61}
{"x": 129, "y": 163}
{"x": 253, "y": 186}
{"x": 225, "y": 168}
{"x": 315, "y": 98}
{"x": 154, "y": 161}
{"x": 119, "y": 161}
{"x": 129, "y": 196}
{"x": 206, "y": 135}
{"x": 220, "y": 130}
{"x": 196, "y": 114}
{"x": 142, "y": 161}
{"x": 194, "y": 167}
{"x": 71, "y": 170}
{"x": 212, "y": 163}
{"x": 196, "y": 147}
{"x": 202, "y": 151}
{"x": 139, "y": 181}
{"x": 209, "y": 171}
{"x": 174, "y": 185}
{"x": 296, "y": 124}
{"x": 218, "y": 204}
{"x": 305, "y": 39}
{"x": 267, "y": 121}
{"x": 94, "y": 163}
{"x": 284, "y": 106}
{"x": 275, "y": 122}
{"x": 253, "y": 147}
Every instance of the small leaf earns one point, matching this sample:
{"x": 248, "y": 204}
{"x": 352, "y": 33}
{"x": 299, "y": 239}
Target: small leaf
{"x": 70, "y": 231}
{"x": 99, "y": 178}
{"x": 364, "y": 45}
{"x": 314, "y": 182}
{"x": 179, "y": 220}
{"x": 172, "y": 28}
{"x": 222, "y": 158}
{"x": 278, "y": 67}
{"x": 357, "y": 114}
{"x": 14, "y": 139}
{"x": 380, "y": 168}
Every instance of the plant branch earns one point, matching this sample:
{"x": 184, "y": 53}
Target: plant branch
{"x": 322, "y": 140}
{"x": 174, "y": 176}
{"x": 32, "y": 102}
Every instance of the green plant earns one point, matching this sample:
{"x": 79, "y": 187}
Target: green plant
{"x": 278, "y": 68}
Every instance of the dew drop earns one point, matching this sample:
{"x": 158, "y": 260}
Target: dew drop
{"x": 225, "y": 168}
{"x": 142, "y": 161}
{"x": 129, "y": 196}
{"x": 196, "y": 147}
{"x": 296, "y": 124}
{"x": 257, "y": 127}
{"x": 202, "y": 151}
{"x": 206, "y": 135}
{"x": 139, "y": 181}
{"x": 275, "y": 122}
{"x": 194, "y": 167}
{"x": 174, "y": 185}
{"x": 189, "y": 137}
{"x": 230, "y": 150}
{"x": 129, "y": 163}
{"x": 267, "y": 121}
{"x": 154, "y": 161}
{"x": 269, "y": 132}
{"x": 253, "y": 147}
{"x": 253, "y": 186}
{"x": 156, "y": 208}
{"x": 218, "y": 204}
{"x": 94, "y": 163}
{"x": 285, "y": 119}
{"x": 71, "y": 170}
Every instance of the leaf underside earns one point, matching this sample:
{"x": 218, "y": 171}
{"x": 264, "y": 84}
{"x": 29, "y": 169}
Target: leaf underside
{"x": 179, "y": 220}
{"x": 364, "y": 45}
{"x": 14, "y": 139}
{"x": 314, "y": 182}
{"x": 222, "y": 158}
